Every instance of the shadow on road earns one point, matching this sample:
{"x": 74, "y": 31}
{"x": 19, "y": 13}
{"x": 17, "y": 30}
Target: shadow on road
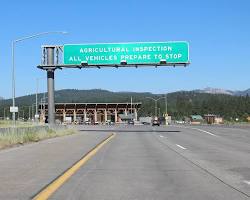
{"x": 130, "y": 131}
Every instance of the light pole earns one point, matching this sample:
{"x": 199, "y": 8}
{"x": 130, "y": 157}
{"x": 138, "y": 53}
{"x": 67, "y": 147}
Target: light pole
{"x": 29, "y": 113}
{"x": 13, "y": 63}
{"x": 3, "y": 113}
{"x": 166, "y": 103}
{"x": 166, "y": 107}
{"x": 42, "y": 106}
{"x": 37, "y": 82}
{"x": 37, "y": 85}
{"x": 32, "y": 110}
{"x": 155, "y": 100}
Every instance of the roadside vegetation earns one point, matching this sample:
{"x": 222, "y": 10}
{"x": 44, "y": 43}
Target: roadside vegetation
{"x": 9, "y": 123}
{"x": 15, "y": 137}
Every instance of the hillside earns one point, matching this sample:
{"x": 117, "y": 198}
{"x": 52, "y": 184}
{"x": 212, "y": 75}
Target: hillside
{"x": 210, "y": 90}
{"x": 180, "y": 104}
{"x": 78, "y": 96}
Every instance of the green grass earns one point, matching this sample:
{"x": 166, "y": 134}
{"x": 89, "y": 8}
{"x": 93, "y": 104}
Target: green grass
{"x": 9, "y": 123}
{"x": 14, "y": 138}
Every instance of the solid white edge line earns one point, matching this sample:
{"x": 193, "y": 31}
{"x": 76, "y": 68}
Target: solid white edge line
{"x": 181, "y": 146}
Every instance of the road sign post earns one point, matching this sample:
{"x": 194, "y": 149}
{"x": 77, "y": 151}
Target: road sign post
{"x": 13, "y": 109}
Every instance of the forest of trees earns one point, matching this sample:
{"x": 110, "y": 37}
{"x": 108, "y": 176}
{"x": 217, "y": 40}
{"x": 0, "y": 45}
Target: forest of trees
{"x": 180, "y": 104}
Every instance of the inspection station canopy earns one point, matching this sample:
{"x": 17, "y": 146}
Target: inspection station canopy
{"x": 147, "y": 53}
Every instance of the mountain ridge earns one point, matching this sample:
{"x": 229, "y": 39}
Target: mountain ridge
{"x": 180, "y": 104}
{"x": 207, "y": 90}
{"x": 210, "y": 90}
{"x": 98, "y": 92}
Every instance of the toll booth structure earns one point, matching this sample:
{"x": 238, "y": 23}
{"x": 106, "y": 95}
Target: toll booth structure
{"x": 93, "y": 113}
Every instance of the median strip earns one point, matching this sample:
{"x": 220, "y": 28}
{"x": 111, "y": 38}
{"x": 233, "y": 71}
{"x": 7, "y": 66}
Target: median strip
{"x": 58, "y": 182}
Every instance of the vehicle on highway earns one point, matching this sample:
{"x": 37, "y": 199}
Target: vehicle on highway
{"x": 145, "y": 120}
{"x": 179, "y": 122}
{"x": 131, "y": 122}
{"x": 156, "y": 121}
{"x": 109, "y": 122}
{"x": 87, "y": 122}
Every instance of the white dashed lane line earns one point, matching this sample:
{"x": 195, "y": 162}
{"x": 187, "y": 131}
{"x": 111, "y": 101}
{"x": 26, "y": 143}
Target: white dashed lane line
{"x": 161, "y": 136}
{"x": 247, "y": 182}
{"x": 197, "y": 129}
{"x": 181, "y": 146}
{"x": 205, "y": 132}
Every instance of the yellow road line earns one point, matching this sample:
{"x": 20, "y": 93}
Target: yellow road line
{"x": 51, "y": 188}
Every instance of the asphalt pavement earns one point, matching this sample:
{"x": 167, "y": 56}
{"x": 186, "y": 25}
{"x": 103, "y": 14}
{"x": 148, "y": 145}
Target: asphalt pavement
{"x": 140, "y": 162}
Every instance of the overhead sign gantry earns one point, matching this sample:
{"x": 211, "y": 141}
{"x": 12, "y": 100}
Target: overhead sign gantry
{"x": 109, "y": 55}
{"x": 150, "y": 53}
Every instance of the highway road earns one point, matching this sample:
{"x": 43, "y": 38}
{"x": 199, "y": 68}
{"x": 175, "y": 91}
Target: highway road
{"x": 139, "y": 162}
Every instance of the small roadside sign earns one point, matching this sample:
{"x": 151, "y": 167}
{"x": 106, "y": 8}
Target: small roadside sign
{"x": 13, "y": 109}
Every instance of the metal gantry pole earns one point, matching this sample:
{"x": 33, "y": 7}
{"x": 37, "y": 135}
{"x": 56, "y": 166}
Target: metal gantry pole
{"x": 50, "y": 85}
{"x": 13, "y": 63}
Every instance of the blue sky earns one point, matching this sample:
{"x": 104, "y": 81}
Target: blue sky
{"x": 218, "y": 32}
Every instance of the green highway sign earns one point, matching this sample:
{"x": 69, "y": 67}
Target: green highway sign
{"x": 155, "y": 53}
